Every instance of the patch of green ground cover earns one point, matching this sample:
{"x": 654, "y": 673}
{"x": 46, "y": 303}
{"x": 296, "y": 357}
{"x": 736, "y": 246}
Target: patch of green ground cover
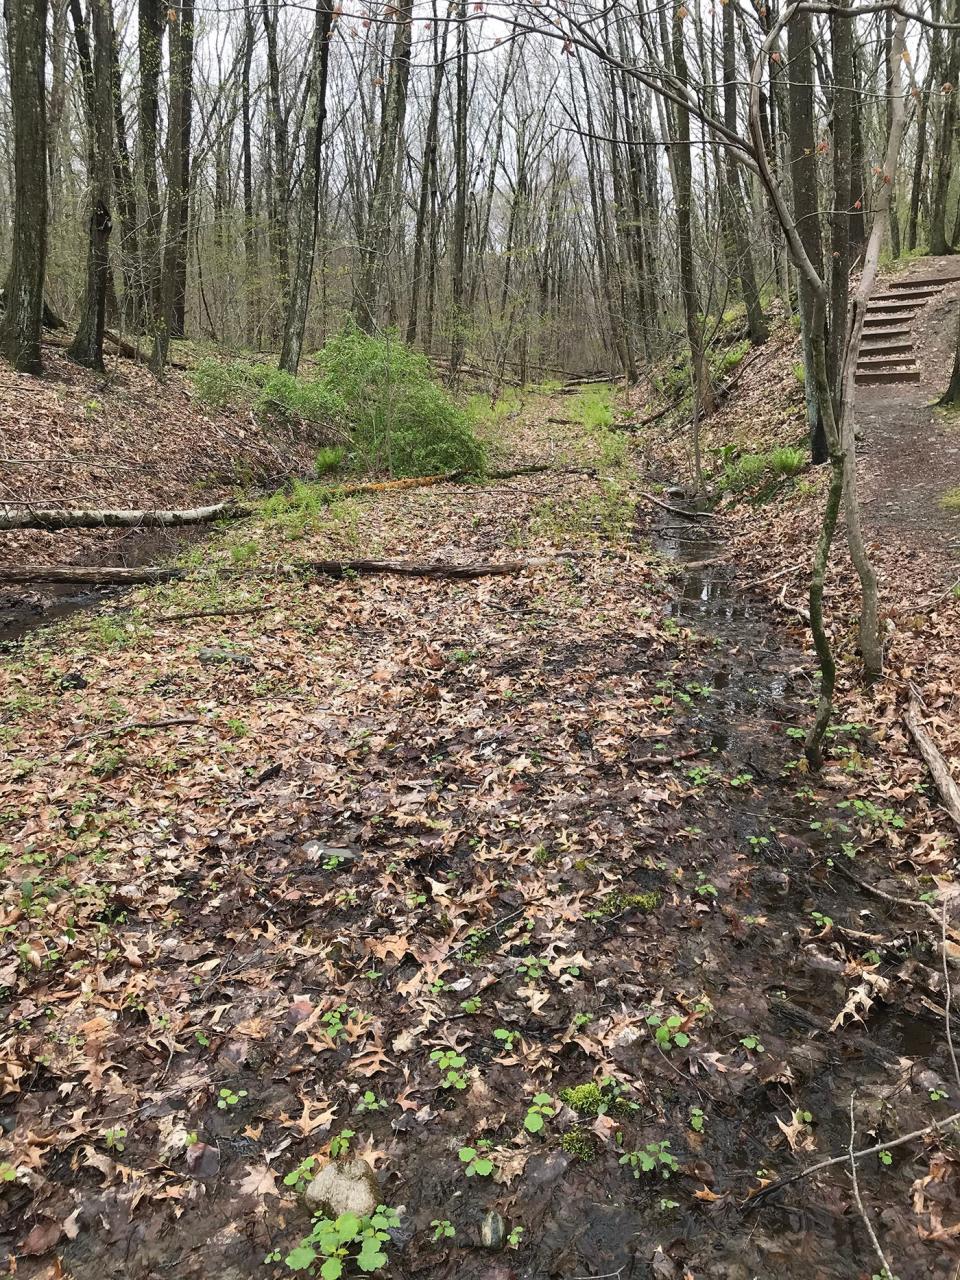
{"x": 950, "y": 501}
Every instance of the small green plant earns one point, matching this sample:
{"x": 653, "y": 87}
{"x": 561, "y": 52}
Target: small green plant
{"x": 539, "y": 1111}
{"x": 116, "y": 1139}
{"x": 8, "y": 1172}
{"x": 938, "y": 1095}
{"x": 515, "y": 1236}
{"x": 752, "y": 1044}
{"x": 301, "y": 1175}
{"x": 369, "y": 1102}
{"x": 697, "y": 1119}
{"x": 340, "y": 1144}
{"x": 668, "y": 1032}
{"x": 531, "y": 968}
{"x": 472, "y": 1004}
{"x": 596, "y": 1099}
{"x": 450, "y": 1065}
{"x": 229, "y": 1098}
{"x": 328, "y": 459}
{"x": 442, "y": 1230}
{"x": 885, "y": 1158}
{"x": 334, "y": 1242}
{"x": 655, "y": 1157}
{"x": 506, "y": 1037}
{"x": 477, "y": 1161}
{"x": 821, "y": 920}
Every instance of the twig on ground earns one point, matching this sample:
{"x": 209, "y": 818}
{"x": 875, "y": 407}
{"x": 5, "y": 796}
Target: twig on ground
{"x": 887, "y": 1270}
{"x": 948, "y": 992}
{"x": 939, "y": 770}
{"x": 679, "y": 511}
{"x": 209, "y": 613}
{"x": 128, "y": 726}
{"x": 936, "y": 1127}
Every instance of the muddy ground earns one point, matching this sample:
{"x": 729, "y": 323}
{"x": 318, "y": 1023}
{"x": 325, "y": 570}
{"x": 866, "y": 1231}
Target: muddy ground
{"x": 264, "y": 869}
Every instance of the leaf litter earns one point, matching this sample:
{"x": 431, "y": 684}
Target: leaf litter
{"x": 411, "y": 868}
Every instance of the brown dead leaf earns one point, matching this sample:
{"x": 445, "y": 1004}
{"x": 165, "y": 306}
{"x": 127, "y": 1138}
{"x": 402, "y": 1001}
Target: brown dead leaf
{"x": 43, "y": 1235}
{"x": 259, "y": 1181}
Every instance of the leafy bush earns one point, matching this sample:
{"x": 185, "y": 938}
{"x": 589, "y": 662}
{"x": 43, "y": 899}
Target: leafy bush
{"x": 224, "y": 384}
{"x": 402, "y": 420}
{"x": 277, "y": 399}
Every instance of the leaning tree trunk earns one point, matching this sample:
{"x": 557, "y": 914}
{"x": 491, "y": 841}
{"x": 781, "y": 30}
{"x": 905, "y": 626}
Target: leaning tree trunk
{"x": 96, "y": 70}
{"x": 299, "y": 297}
{"x": 23, "y": 311}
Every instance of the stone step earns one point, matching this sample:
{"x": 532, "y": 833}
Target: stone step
{"x": 877, "y": 376}
{"x": 887, "y": 349}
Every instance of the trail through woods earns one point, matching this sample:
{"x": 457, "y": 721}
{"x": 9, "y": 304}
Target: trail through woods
{"x": 523, "y": 867}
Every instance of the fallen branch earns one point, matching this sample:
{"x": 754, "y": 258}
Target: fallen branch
{"x": 949, "y": 791}
{"x": 679, "y": 511}
{"x": 127, "y": 726}
{"x": 209, "y": 613}
{"x": 754, "y": 1201}
{"x": 122, "y": 575}
{"x": 52, "y": 519}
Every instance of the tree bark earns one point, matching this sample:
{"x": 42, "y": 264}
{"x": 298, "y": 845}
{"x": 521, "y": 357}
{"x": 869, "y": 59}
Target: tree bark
{"x": 181, "y": 46}
{"x": 97, "y": 75}
{"x": 22, "y": 319}
{"x": 178, "y": 321}
{"x": 947, "y": 143}
{"x": 299, "y": 293}
{"x": 377, "y": 232}
{"x": 150, "y": 40}
{"x": 125, "y": 575}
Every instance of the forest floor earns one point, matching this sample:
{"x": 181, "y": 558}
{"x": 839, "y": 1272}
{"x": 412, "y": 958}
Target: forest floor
{"x": 526, "y": 866}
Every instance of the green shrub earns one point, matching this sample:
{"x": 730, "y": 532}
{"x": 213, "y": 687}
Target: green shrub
{"x": 282, "y": 399}
{"x": 328, "y": 459}
{"x": 593, "y": 406}
{"x": 723, "y": 361}
{"x": 401, "y": 418}
{"x": 223, "y": 384}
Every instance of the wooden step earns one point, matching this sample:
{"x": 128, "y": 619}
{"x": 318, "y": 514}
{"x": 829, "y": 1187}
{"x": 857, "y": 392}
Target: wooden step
{"x": 887, "y": 349}
{"x": 919, "y": 295}
{"x": 866, "y": 377}
{"x": 887, "y": 362}
{"x": 876, "y": 319}
{"x": 887, "y": 335}
{"x": 892, "y": 308}
{"x": 924, "y": 281}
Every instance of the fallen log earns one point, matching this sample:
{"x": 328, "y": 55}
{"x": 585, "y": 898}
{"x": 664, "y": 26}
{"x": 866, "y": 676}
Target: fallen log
{"x": 53, "y": 518}
{"x": 123, "y": 575}
{"x": 939, "y": 770}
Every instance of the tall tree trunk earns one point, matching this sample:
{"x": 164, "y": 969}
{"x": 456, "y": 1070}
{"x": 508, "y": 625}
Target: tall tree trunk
{"x": 150, "y": 39}
{"x": 279, "y": 231}
{"x": 251, "y": 263}
{"x": 299, "y": 299}
{"x": 734, "y": 201}
{"x": 377, "y": 232}
{"x": 806, "y": 212}
{"x": 844, "y": 106}
{"x": 458, "y": 319}
{"x": 125, "y": 193}
{"x": 180, "y": 282}
{"x": 890, "y": 81}
{"x": 951, "y": 397}
{"x": 96, "y": 73}
{"x": 176, "y": 192}
{"x": 23, "y": 301}
{"x": 427, "y": 177}
{"x": 916, "y": 188}
{"x": 947, "y": 143}
{"x": 702, "y": 389}
{"x": 858, "y": 185}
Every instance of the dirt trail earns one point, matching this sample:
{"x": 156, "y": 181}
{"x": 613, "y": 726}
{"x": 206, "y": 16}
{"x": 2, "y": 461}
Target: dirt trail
{"x": 911, "y": 451}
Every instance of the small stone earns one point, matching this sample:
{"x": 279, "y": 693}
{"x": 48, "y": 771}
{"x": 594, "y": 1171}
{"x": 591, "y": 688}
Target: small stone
{"x": 344, "y": 1188}
{"x": 213, "y": 657}
{"x": 72, "y": 680}
{"x": 492, "y": 1230}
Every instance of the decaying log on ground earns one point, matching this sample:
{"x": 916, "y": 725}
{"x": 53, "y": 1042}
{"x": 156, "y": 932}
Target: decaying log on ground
{"x": 99, "y": 575}
{"x": 680, "y": 511}
{"x": 947, "y": 787}
{"x": 52, "y": 519}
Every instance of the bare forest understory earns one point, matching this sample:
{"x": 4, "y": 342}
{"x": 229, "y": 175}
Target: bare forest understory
{"x": 516, "y": 891}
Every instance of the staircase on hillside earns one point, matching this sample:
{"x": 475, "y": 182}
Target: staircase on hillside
{"x": 887, "y": 351}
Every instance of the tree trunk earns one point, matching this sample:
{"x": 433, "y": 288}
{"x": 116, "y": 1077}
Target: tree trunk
{"x": 126, "y": 200}
{"x": 427, "y": 184}
{"x": 23, "y": 313}
{"x": 734, "y": 202}
{"x": 150, "y": 40}
{"x": 96, "y": 72}
{"x": 299, "y": 299}
{"x": 945, "y": 149}
{"x": 176, "y": 192}
{"x": 178, "y": 322}
{"x": 377, "y": 233}
{"x": 951, "y": 397}
{"x": 458, "y": 318}
{"x": 251, "y": 263}
{"x": 803, "y": 167}
{"x": 702, "y": 390}
{"x": 916, "y": 188}
{"x": 279, "y": 232}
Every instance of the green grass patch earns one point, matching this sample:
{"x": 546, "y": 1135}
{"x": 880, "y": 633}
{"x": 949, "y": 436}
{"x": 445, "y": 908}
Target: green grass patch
{"x": 606, "y": 515}
{"x": 753, "y": 469}
{"x": 951, "y": 500}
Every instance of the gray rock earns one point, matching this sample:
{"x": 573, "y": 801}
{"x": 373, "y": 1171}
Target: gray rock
{"x": 216, "y": 657}
{"x": 344, "y": 1188}
{"x": 492, "y": 1230}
